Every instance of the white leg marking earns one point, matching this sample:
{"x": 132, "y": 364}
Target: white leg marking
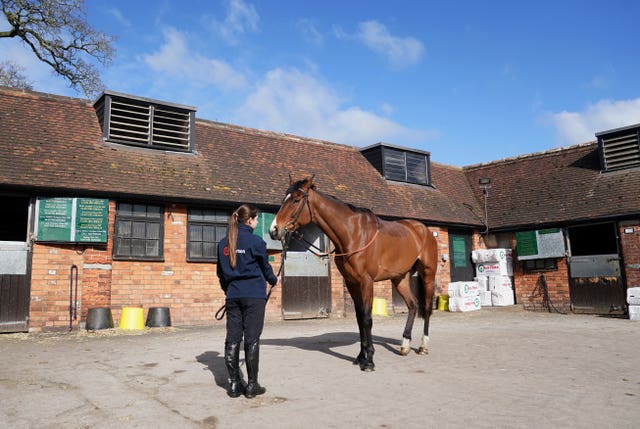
{"x": 405, "y": 348}
{"x": 406, "y": 343}
{"x": 425, "y": 341}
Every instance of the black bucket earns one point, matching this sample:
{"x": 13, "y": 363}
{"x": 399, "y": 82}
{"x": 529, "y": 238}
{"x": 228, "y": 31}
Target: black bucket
{"x": 158, "y": 317}
{"x": 99, "y": 318}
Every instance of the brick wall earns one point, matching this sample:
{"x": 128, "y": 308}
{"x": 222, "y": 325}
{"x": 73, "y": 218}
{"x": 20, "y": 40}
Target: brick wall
{"x": 529, "y": 287}
{"x": 190, "y": 290}
{"x": 629, "y": 233}
{"x": 50, "y": 285}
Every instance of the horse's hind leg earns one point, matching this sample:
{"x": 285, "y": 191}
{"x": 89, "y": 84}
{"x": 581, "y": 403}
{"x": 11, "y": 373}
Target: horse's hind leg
{"x": 428, "y": 281}
{"x": 403, "y": 286}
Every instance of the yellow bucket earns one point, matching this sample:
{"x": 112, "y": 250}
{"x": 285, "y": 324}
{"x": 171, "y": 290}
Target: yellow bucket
{"x": 443, "y": 302}
{"x": 379, "y": 307}
{"x": 132, "y": 318}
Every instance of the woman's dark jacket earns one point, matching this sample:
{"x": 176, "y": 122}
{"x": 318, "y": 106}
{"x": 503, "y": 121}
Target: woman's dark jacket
{"x": 252, "y": 271}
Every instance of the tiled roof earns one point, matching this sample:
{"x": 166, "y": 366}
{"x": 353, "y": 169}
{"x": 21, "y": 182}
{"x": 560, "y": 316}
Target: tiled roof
{"x": 556, "y": 187}
{"x": 54, "y": 144}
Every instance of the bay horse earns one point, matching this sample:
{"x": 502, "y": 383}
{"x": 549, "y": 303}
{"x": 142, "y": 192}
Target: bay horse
{"x": 368, "y": 249}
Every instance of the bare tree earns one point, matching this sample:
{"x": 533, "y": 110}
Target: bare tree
{"x": 58, "y": 34}
{"x": 13, "y": 75}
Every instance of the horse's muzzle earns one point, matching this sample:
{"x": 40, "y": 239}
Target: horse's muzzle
{"x": 274, "y": 232}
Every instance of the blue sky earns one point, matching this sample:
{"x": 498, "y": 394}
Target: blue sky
{"x": 468, "y": 81}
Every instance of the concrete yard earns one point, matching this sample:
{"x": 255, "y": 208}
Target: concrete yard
{"x": 493, "y": 368}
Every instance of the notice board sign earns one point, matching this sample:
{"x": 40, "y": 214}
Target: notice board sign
{"x": 540, "y": 244}
{"x": 72, "y": 220}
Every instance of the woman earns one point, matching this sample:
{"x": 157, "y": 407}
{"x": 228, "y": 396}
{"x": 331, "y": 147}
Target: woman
{"x": 243, "y": 270}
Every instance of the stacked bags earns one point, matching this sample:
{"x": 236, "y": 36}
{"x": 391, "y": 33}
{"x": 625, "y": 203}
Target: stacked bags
{"x": 494, "y": 268}
{"x": 633, "y": 299}
{"x": 464, "y": 296}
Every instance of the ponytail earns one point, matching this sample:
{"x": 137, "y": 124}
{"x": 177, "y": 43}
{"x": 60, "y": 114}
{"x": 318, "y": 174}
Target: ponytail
{"x": 241, "y": 215}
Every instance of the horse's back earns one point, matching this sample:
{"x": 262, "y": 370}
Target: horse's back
{"x": 409, "y": 233}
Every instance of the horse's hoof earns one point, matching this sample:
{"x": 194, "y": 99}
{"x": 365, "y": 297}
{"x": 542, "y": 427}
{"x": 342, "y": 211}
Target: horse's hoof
{"x": 423, "y": 351}
{"x": 404, "y": 351}
{"x": 367, "y": 367}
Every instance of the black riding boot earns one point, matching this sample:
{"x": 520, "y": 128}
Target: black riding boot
{"x": 231, "y": 360}
{"x": 252, "y": 360}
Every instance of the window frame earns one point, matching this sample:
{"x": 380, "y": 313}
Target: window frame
{"x": 539, "y": 265}
{"x": 218, "y": 219}
{"x": 133, "y": 215}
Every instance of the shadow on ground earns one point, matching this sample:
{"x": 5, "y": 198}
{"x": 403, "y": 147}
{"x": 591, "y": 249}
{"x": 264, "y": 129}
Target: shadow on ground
{"x": 326, "y": 343}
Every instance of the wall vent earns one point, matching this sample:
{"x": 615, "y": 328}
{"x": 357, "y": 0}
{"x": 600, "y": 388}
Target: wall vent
{"x": 141, "y": 122}
{"x": 619, "y": 148}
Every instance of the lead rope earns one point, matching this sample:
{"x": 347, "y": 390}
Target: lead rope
{"x": 222, "y": 311}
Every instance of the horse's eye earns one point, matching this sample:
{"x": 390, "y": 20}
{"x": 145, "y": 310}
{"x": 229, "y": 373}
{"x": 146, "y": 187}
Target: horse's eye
{"x": 296, "y": 201}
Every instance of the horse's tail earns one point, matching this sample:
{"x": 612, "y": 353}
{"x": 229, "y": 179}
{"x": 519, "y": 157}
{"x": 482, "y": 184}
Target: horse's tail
{"x": 419, "y": 293}
{"x": 428, "y": 261}
{"x": 422, "y": 304}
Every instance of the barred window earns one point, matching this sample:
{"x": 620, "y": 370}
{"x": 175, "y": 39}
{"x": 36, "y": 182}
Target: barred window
{"x": 139, "y": 232}
{"x": 205, "y": 229}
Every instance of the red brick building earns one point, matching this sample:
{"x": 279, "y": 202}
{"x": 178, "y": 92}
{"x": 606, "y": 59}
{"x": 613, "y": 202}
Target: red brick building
{"x": 167, "y": 181}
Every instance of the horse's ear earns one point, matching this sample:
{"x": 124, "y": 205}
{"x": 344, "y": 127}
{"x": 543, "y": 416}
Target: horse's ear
{"x": 310, "y": 180}
{"x": 290, "y": 179}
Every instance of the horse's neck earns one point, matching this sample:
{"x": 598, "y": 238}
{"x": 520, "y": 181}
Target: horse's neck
{"x": 332, "y": 216}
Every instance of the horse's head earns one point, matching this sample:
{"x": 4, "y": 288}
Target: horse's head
{"x": 295, "y": 210}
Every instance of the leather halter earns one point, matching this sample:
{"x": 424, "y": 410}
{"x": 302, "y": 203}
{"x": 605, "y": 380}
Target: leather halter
{"x": 294, "y": 218}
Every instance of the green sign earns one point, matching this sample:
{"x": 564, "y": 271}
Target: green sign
{"x": 92, "y": 220}
{"x": 459, "y": 252}
{"x": 540, "y": 244}
{"x": 54, "y": 219}
{"x": 527, "y": 243}
{"x": 75, "y": 220}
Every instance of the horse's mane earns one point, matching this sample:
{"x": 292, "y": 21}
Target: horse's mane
{"x": 296, "y": 186}
{"x": 351, "y": 206}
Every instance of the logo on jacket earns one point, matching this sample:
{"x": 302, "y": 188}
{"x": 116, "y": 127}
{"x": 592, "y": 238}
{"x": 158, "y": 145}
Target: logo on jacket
{"x": 225, "y": 251}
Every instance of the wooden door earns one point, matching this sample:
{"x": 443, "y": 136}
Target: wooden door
{"x": 595, "y": 279}
{"x": 14, "y": 286}
{"x": 460, "y": 256}
{"x": 306, "y": 285}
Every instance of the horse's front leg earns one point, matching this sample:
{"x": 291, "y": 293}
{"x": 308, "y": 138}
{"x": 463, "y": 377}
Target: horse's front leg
{"x": 365, "y": 323}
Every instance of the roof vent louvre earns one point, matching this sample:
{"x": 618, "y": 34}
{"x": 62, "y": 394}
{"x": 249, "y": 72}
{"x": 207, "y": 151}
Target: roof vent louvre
{"x": 619, "y": 148}
{"x": 141, "y": 122}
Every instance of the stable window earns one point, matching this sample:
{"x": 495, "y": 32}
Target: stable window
{"x": 534, "y": 265}
{"x": 205, "y": 229}
{"x": 138, "y": 232}
{"x": 138, "y": 121}
{"x": 595, "y": 239}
